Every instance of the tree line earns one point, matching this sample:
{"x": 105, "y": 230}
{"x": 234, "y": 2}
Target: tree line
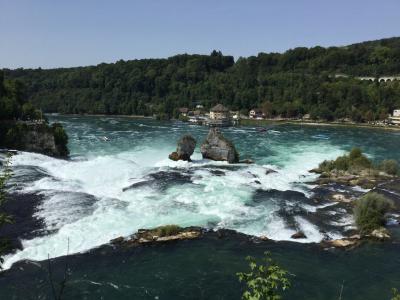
{"x": 290, "y": 84}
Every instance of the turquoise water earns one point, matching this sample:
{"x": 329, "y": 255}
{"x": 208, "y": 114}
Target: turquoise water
{"x": 87, "y": 203}
{"x": 265, "y": 147}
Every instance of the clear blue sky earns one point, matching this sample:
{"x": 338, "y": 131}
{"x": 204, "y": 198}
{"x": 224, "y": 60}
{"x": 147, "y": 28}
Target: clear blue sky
{"x": 55, "y": 33}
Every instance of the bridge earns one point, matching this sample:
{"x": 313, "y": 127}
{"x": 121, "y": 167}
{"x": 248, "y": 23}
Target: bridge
{"x": 380, "y": 79}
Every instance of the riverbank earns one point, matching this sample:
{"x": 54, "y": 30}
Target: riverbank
{"x": 265, "y": 122}
{"x": 255, "y": 122}
{"x": 103, "y": 115}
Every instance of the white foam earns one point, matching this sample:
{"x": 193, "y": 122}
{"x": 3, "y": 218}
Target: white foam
{"x": 311, "y": 231}
{"x": 222, "y": 201}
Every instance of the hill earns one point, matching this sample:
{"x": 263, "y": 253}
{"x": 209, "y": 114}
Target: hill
{"x": 298, "y": 81}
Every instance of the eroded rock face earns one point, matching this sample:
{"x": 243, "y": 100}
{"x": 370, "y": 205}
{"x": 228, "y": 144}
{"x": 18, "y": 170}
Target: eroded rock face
{"x": 185, "y": 148}
{"x": 40, "y": 138}
{"x": 217, "y": 147}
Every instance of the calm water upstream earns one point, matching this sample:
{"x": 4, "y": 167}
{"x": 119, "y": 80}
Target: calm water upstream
{"x": 85, "y": 201}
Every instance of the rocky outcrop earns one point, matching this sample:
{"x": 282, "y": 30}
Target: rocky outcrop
{"x": 185, "y": 148}
{"x": 217, "y": 147}
{"x": 35, "y": 137}
{"x": 162, "y": 234}
{"x": 380, "y": 234}
{"x": 341, "y": 243}
{"x": 367, "y": 178}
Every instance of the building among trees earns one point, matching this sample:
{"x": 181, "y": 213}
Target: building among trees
{"x": 219, "y": 116}
{"x": 256, "y": 113}
{"x": 219, "y": 112}
{"x": 395, "y": 118}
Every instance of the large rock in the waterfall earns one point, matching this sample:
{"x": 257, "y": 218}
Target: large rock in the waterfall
{"x": 185, "y": 149}
{"x": 217, "y": 147}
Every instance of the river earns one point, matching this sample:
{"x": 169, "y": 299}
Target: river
{"x": 85, "y": 202}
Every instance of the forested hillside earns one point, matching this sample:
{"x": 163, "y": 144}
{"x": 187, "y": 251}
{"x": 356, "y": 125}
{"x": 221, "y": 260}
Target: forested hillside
{"x": 22, "y": 126}
{"x": 299, "y": 81}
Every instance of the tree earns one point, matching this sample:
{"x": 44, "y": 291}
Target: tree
{"x": 265, "y": 281}
{"x": 267, "y": 109}
{"x": 4, "y": 218}
{"x": 295, "y": 82}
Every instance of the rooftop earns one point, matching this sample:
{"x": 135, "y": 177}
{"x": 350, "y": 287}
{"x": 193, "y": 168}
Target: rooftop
{"x": 219, "y": 108}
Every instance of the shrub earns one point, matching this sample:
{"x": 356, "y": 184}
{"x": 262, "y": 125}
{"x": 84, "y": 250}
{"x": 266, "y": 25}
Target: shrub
{"x": 395, "y": 294}
{"x": 167, "y": 230}
{"x": 342, "y": 163}
{"x": 355, "y": 153}
{"x": 327, "y": 165}
{"x": 370, "y": 210}
{"x": 354, "y": 161}
{"x": 265, "y": 280}
{"x": 389, "y": 166}
{"x": 361, "y": 162}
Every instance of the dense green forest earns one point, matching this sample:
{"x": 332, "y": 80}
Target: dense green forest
{"x": 296, "y": 82}
{"x": 13, "y": 101}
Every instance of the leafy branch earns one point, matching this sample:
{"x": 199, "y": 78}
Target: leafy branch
{"x": 265, "y": 280}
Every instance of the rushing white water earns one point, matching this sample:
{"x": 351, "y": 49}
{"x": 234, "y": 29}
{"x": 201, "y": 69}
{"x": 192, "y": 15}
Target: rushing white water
{"x": 85, "y": 202}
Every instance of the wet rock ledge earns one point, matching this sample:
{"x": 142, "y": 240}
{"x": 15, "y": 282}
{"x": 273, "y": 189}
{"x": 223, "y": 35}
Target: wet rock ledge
{"x": 162, "y": 234}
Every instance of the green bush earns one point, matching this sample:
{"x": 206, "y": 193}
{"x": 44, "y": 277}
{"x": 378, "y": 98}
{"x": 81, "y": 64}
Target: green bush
{"x": 389, "y": 166}
{"x": 361, "y": 162}
{"x": 355, "y": 161}
{"x": 342, "y": 163}
{"x": 395, "y": 294}
{"x": 265, "y": 281}
{"x": 370, "y": 210}
{"x": 327, "y": 165}
{"x": 355, "y": 153}
{"x": 167, "y": 230}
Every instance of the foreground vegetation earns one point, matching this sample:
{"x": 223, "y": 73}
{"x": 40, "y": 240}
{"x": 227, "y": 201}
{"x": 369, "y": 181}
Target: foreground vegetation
{"x": 5, "y": 174}
{"x": 290, "y": 84}
{"x": 265, "y": 281}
